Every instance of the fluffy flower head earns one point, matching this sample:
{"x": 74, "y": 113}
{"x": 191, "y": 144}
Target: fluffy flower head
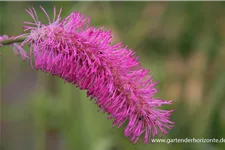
{"x": 83, "y": 55}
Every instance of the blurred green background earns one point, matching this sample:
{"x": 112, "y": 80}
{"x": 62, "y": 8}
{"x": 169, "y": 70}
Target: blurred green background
{"x": 181, "y": 42}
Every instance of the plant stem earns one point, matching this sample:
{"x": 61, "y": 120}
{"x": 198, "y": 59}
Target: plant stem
{"x": 11, "y": 40}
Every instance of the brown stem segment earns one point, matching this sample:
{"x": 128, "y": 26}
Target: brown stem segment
{"x": 12, "y": 40}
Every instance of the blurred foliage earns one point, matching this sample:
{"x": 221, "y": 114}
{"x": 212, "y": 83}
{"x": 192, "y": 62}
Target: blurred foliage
{"x": 181, "y": 42}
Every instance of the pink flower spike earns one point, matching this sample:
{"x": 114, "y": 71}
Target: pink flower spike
{"x": 83, "y": 55}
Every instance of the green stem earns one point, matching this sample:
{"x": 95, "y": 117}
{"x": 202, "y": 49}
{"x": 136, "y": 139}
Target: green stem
{"x": 11, "y": 40}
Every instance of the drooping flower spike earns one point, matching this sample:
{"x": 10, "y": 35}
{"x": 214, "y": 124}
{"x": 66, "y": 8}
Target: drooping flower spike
{"x": 83, "y": 55}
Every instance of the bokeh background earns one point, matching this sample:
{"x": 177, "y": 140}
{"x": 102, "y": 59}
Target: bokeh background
{"x": 181, "y": 42}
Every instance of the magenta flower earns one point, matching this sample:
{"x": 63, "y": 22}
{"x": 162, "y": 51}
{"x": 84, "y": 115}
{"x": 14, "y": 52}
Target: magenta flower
{"x": 83, "y": 55}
